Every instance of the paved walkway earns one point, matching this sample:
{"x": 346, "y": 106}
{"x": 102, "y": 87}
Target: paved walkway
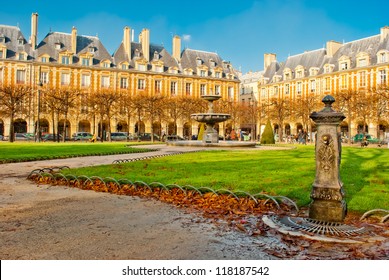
{"x": 51, "y": 222}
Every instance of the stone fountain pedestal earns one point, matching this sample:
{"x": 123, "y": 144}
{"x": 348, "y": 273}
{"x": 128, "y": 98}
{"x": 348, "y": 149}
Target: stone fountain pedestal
{"x": 210, "y": 119}
{"x": 327, "y": 190}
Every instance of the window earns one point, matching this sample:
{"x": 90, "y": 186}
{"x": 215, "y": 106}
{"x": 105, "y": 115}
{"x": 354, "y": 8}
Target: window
{"x": 287, "y": 88}
{"x": 299, "y": 74}
{"x": 343, "y": 65}
{"x": 44, "y": 79}
{"x": 106, "y": 64}
{"x": 382, "y": 77}
{"x": 21, "y": 56}
{"x": 217, "y": 90}
{"x": 65, "y": 79}
{"x": 230, "y": 93}
{"x": 263, "y": 92}
{"x": 91, "y": 49}
{"x": 141, "y": 67}
{"x": 312, "y": 85}
{"x": 2, "y": 39}
{"x": 287, "y": 76}
{"x": 1, "y": 54}
{"x": 105, "y": 82}
{"x": 158, "y": 86}
{"x": 362, "y": 62}
{"x": 85, "y": 61}
{"x": 382, "y": 57}
{"x": 141, "y": 84}
{"x": 202, "y": 73}
{"x": 203, "y": 89}
{"x": 124, "y": 66}
{"x": 123, "y": 82}
{"x": 44, "y": 59}
{"x": 85, "y": 80}
{"x": 327, "y": 83}
{"x": 188, "y": 88}
{"x": 299, "y": 88}
{"x": 20, "y": 41}
{"x": 173, "y": 88}
{"x": 198, "y": 61}
{"x": 275, "y": 91}
{"x": 84, "y": 102}
{"x": 20, "y": 76}
{"x": 217, "y": 75}
{"x": 65, "y": 59}
{"x": 362, "y": 79}
{"x": 343, "y": 81}
{"x": 158, "y": 68}
{"x": 58, "y": 46}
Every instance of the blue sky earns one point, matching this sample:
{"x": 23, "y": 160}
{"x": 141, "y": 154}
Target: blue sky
{"x": 240, "y": 31}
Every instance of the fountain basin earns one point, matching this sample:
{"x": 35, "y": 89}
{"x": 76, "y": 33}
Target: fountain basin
{"x": 210, "y": 118}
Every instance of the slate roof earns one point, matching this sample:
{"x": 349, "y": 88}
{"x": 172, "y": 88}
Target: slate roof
{"x": 319, "y": 58}
{"x": 47, "y": 46}
{"x": 12, "y": 34}
{"x": 189, "y": 60}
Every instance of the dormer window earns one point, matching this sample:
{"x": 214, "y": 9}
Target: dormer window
{"x": 65, "y": 59}
{"x": 382, "y": 57}
{"x": 212, "y": 63}
{"x": 85, "y": 61}
{"x": 124, "y": 66}
{"x": 58, "y": 45}
{"x": 20, "y": 41}
{"x": 313, "y": 71}
{"x": 22, "y": 56}
{"x": 2, "y": 39}
{"x": 343, "y": 66}
{"x": 199, "y": 61}
{"x": 156, "y": 55}
{"x": 137, "y": 53}
{"x": 1, "y": 53}
{"x": 328, "y": 68}
{"x": 91, "y": 49}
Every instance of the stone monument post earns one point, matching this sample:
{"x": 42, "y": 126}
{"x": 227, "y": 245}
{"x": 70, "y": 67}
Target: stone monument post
{"x": 327, "y": 190}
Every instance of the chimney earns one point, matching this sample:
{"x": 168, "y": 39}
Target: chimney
{"x": 34, "y": 30}
{"x": 384, "y": 32}
{"x": 176, "y": 53}
{"x": 127, "y": 41}
{"x": 268, "y": 59}
{"x": 145, "y": 37}
{"x": 332, "y": 47}
{"x": 74, "y": 40}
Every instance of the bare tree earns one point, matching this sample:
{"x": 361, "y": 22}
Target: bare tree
{"x": 279, "y": 110}
{"x": 104, "y": 102}
{"x": 12, "y": 101}
{"x": 345, "y": 104}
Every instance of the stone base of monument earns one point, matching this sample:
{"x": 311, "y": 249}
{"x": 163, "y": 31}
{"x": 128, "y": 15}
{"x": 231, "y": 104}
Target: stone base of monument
{"x": 321, "y": 231}
{"x": 327, "y": 210}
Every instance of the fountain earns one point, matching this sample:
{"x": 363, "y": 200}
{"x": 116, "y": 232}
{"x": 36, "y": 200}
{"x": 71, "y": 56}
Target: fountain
{"x": 211, "y": 136}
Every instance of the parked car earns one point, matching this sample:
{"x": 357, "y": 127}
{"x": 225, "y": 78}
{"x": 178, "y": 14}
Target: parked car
{"x": 83, "y": 136}
{"x": 53, "y": 137}
{"x": 147, "y": 137}
{"x": 361, "y": 137}
{"x": 21, "y": 137}
{"x": 174, "y": 137}
{"x": 119, "y": 136}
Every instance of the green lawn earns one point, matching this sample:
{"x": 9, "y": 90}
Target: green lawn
{"x": 25, "y": 151}
{"x": 290, "y": 173}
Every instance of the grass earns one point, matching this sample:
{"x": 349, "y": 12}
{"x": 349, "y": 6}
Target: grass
{"x": 25, "y": 151}
{"x": 290, "y": 173}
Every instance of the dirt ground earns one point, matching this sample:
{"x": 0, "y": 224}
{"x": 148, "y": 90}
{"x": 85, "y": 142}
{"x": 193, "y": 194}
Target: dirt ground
{"x": 53, "y": 222}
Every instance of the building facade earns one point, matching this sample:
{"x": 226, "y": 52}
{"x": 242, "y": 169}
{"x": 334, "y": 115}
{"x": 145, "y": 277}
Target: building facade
{"x": 355, "y": 73}
{"x": 82, "y": 63}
